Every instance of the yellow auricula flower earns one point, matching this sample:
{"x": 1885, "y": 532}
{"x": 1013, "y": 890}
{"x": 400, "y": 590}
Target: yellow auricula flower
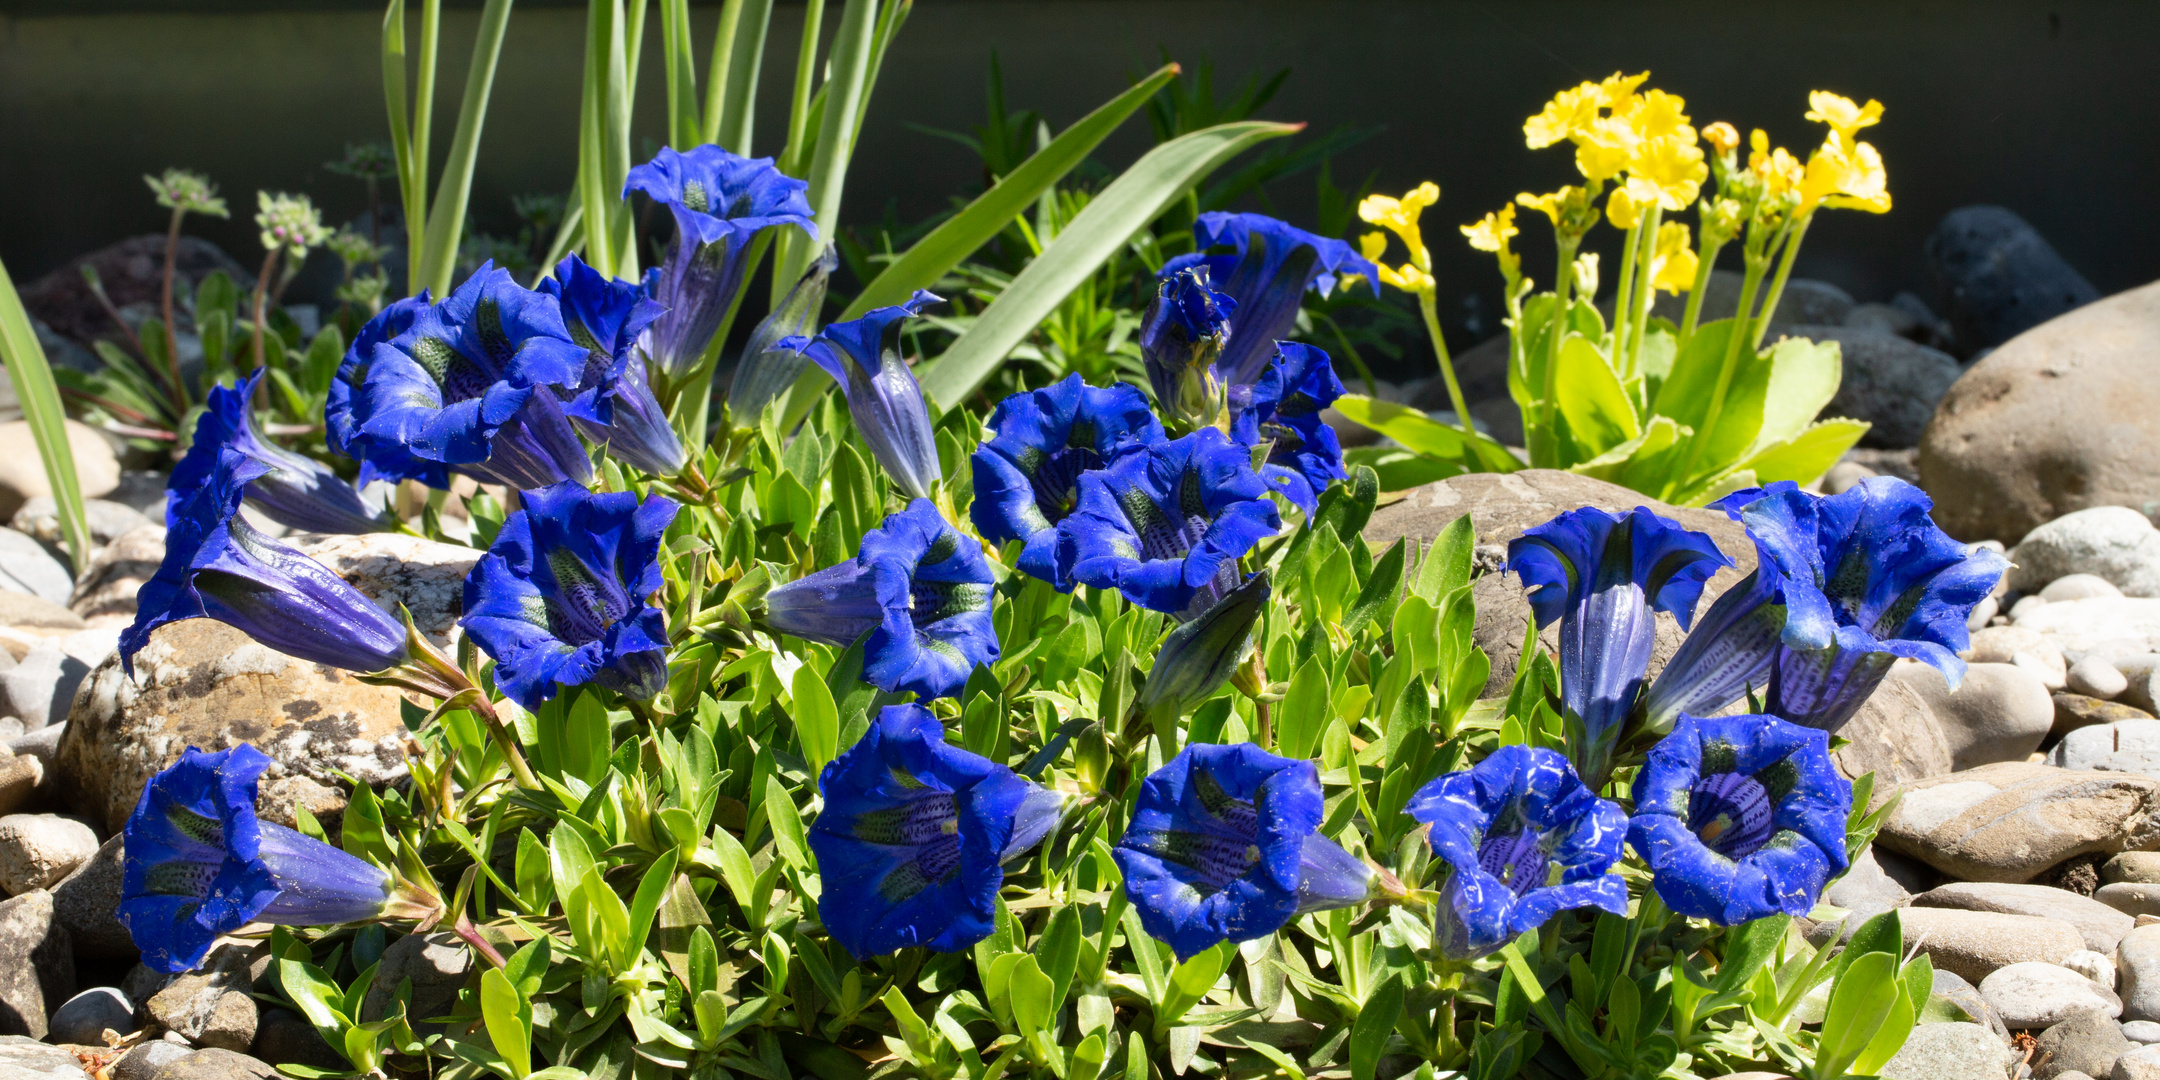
{"x": 1622, "y": 210}
{"x": 1618, "y": 89}
{"x": 1673, "y": 263}
{"x": 1552, "y": 204}
{"x": 1567, "y": 113}
{"x": 1841, "y": 114}
{"x": 1602, "y": 149}
{"x": 1408, "y": 277}
{"x": 1657, "y": 114}
{"x": 1493, "y": 231}
{"x": 1781, "y": 172}
{"x": 1668, "y": 170}
{"x": 1722, "y": 137}
{"x": 1400, "y": 216}
{"x": 1852, "y": 179}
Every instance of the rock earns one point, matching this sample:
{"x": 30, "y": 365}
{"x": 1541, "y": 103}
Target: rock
{"x": 2141, "y": 1031}
{"x": 217, "y": 1064}
{"x": 2036, "y": 995}
{"x": 26, "y": 567}
{"x": 2087, "y": 1042}
{"x": 1502, "y": 506}
{"x": 1885, "y": 319}
{"x": 39, "y": 689}
{"x": 1866, "y": 887}
{"x": 116, "y": 573}
{"x": 85, "y": 1017}
{"x": 1844, "y": 476}
{"x": 144, "y": 1060}
{"x": 1805, "y": 302}
{"x": 143, "y": 491}
{"x": 2100, "y": 926}
{"x": 1999, "y": 712}
{"x": 1973, "y": 944}
{"x": 2121, "y": 746}
{"x": 2137, "y": 1063}
{"x": 437, "y": 964}
{"x": 2133, "y": 866}
{"x": 2056, "y": 421}
{"x": 37, "y": 850}
{"x": 2010, "y": 821}
{"x": 211, "y": 1006}
{"x": 1895, "y": 734}
{"x": 2137, "y": 973}
{"x": 279, "y": 798}
{"x": 1983, "y": 613}
{"x": 202, "y": 683}
{"x": 2143, "y": 674}
{"x": 28, "y": 1059}
{"x": 2017, "y": 645}
{"x": 1997, "y": 277}
{"x": 20, "y": 777}
{"x": 2098, "y": 967}
{"x": 2132, "y": 898}
{"x": 39, "y": 519}
{"x": 21, "y": 609}
{"x": 1889, "y": 382}
{"x": 1952, "y": 987}
{"x": 85, "y": 902}
{"x": 392, "y": 569}
{"x": 2077, "y": 587}
{"x": 132, "y": 271}
{"x": 2094, "y": 677}
{"x": 2074, "y": 712}
{"x": 285, "y": 1038}
{"x": 37, "y": 964}
{"x": 22, "y": 469}
{"x": 1950, "y": 1052}
{"x": 2116, "y": 544}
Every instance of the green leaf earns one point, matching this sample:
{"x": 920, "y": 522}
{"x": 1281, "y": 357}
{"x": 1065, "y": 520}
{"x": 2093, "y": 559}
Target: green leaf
{"x": 846, "y": 93}
{"x": 570, "y": 860}
{"x": 1747, "y": 948}
{"x": 817, "y": 719}
{"x": 1448, "y": 562}
{"x": 1375, "y": 1022}
{"x": 1592, "y": 400}
{"x": 961, "y": 234}
{"x": 1031, "y": 996}
{"x": 787, "y": 826}
{"x": 1897, "y": 1024}
{"x": 500, "y": 1008}
{"x": 1861, "y": 1004}
{"x": 1424, "y": 434}
{"x": 316, "y": 996}
{"x": 1807, "y": 455}
{"x": 611, "y": 920}
{"x": 446, "y": 218}
{"x": 40, "y": 401}
{"x": 1303, "y": 713}
{"x": 646, "y": 903}
{"x": 1123, "y": 208}
{"x": 1382, "y": 588}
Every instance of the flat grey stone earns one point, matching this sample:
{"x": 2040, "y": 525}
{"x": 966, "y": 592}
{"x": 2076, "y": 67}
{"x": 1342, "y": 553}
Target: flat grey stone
{"x": 26, "y": 567}
{"x": 2141, "y": 1031}
{"x": 144, "y": 1060}
{"x": 2038, "y": 995}
{"x": 84, "y": 1018}
{"x": 1950, "y": 1052}
{"x": 86, "y": 900}
{"x": 37, "y": 964}
{"x": 2087, "y": 1043}
{"x": 23, "y": 1058}
{"x": 1973, "y": 944}
{"x": 2100, "y": 925}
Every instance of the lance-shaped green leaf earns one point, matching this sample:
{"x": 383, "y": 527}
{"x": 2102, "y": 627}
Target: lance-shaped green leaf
{"x": 40, "y": 399}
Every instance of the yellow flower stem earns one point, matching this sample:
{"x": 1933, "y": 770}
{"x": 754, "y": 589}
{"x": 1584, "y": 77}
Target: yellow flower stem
{"x": 1796, "y": 230}
{"x": 1550, "y": 406}
{"x": 1646, "y": 292}
{"x": 1706, "y": 261}
{"x": 1427, "y": 308}
{"x": 1757, "y": 262}
{"x": 1623, "y": 299}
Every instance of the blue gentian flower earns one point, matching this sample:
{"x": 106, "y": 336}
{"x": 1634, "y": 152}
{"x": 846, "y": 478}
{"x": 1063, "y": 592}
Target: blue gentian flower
{"x": 918, "y": 588}
{"x": 462, "y": 385}
{"x": 1283, "y": 409}
{"x": 1166, "y": 525}
{"x": 1740, "y": 817}
{"x": 1865, "y": 578}
{"x": 1198, "y": 657}
{"x": 347, "y": 411}
{"x": 863, "y": 356}
{"x": 914, "y": 836}
{"x": 765, "y": 371}
{"x": 1181, "y": 336}
{"x": 1223, "y": 846}
{"x": 720, "y": 202}
{"x": 296, "y": 491}
{"x": 1266, "y": 278}
{"x": 1027, "y": 475}
{"x": 197, "y": 864}
{"x": 1603, "y": 575}
{"x": 218, "y": 566}
{"x": 563, "y": 595}
{"x": 1523, "y": 840}
{"x": 612, "y": 405}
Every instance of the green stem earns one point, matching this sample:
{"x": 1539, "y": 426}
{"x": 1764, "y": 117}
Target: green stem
{"x": 796, "y": 155}
{"x": 1705, "y": 262}
{"x": 1562, "y": 286}
{"x": 1646, "y": 293}
{"x": 1427, "y": 308}
{"x": 1726, "y": 370}
{"x": 422, "y": 126}
{"x": 1624, "y": 296}
{"x": 1794, "y": 232}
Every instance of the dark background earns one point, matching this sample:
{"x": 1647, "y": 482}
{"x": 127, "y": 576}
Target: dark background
{"x": 2047, "y": 108}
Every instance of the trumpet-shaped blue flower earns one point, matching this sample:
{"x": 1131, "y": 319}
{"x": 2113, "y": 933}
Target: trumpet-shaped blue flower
{"x": 914, "y": 836}
{"x": 1524, "y": 840}
{"x": 198, "y": 863}
{"x": 765, "y": 371}
{"x": 1027, "y": 475}
{"x": 1181, "y": 336}
{"x": 1283, "y": 410}
{"x": 1201, "y": 655}
{"x": 863, "y": 356}
{"x": 1865, "y": 577}
{"x": 1167, "y": 524}
{"x": 562, "y": 597}
{"x": 612, "y": 405}
{"x": 1267, "y": 277}
{"x": 347, "y": 410}
{"x": 218, "y": 566}
{"x": 1740, "y": 817}
{"x": 1223, "y": 846}
{"x": 720, "y": 202}
{"x": 1603, "y": 575}
{"x": 462, "y": 385}
{"x": 296, "y": 491}
{"x": 918, "y": 588}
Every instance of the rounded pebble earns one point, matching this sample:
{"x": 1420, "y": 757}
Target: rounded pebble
{"x": 2095, "y": 677}
{"x": 37, "y": 850}
{"x": 2026, "y": 604}
{"x": 2078, "y": 587}
{"x": 1981, "y": 613}
{"x": 2035, "y": 995}
{"x": 2092, "y": 965}
{"x": 82, "y": 1019}
{"x": 2142, "y": 1031}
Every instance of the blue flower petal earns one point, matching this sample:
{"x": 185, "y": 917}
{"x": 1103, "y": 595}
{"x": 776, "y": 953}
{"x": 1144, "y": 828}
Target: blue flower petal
{"x": 1166, "y": 525}
{"x": 1027, "y": 474}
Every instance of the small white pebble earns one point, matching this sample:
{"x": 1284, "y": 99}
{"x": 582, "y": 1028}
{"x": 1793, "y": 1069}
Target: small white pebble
{"x": 2093, "y": 966}
{"x": 2141, "y": 1031}
{"x": 2048, "y": 668}
{"x": 2025, "y": 604}
{"x": 2078, "y": 587}
{"x": 2095, "y": 677}
{"x": 1844, "y": 476}
{"x": 1981, "y": 613}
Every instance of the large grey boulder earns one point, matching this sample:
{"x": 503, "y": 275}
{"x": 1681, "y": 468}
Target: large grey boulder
{"x": 2012, "y": 821}
{"x": 2114, "y": 543}
{"x": 1996, "y": 276}
{"x": 1951, "y": 1052}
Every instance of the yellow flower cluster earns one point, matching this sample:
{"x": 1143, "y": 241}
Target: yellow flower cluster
{"x": 1843, "y": 172}
{"x": 1616, "y": 130}
{"x": 1400, "y": 216}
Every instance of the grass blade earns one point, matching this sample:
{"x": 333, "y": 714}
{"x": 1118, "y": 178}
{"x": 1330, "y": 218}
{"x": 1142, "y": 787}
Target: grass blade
{"x": 446, "y": 218}
{"x": 964, "y": 232}
{"x": 738, "y": 56}
{"x": 846, "y": 89}
{"x": 40, "y": 399}
{"x": 1134, "y": 199}
{"x": 684, "y": 121}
